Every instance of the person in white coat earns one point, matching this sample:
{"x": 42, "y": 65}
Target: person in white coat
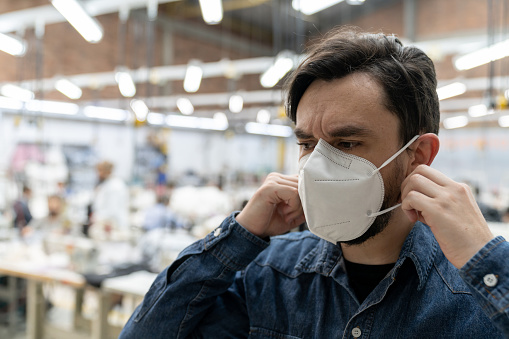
{"x": 110, "y": 208}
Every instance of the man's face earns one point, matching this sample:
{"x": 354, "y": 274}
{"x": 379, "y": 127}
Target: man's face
{"x": 349, "y": 114}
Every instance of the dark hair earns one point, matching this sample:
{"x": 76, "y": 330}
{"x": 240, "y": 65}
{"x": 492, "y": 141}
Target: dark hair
{"x": 406, "y": 74}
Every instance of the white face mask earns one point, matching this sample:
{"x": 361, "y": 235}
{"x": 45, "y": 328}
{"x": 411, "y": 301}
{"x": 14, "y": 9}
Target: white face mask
{"x": 341, "y": 193}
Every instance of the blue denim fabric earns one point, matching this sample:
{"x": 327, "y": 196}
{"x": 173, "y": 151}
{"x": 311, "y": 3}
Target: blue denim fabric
{"x": 232, "y": 284}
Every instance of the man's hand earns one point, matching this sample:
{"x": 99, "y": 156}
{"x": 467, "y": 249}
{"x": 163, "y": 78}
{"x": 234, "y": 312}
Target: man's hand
{"x": 275, "y": 208}
{"x": 449, "y": 209}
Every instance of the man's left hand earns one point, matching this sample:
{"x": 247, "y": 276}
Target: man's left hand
{"x": 449, "y": 209}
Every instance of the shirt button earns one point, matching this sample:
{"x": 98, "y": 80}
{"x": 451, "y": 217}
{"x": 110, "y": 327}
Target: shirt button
{"x": 217, "y": 231}
{"x": 356, "y": 332}
{"x": 490, "y": 280}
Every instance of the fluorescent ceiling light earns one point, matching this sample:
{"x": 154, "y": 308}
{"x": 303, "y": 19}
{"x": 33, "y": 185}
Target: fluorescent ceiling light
{"x": 310, "y": 7}
{"x": 185, "y": 106}
{"x": 355, "y": 2}
{"x": 483, "y": 56}
{"x": 193, "y": 78}
{"x": 455, "y": 122}
{"x": 263, "y": 116}
{"x": 267, "y": 129}
{"x": 140, "y": 109}
{"x": 9, "y": 103}
{"x": 220, "y": 116}
{"x": 87, "y": 26}
{"x": 212, "y": 11}
{"x": 195, "y": 122}
{"x": 125, "y": 84}
{"x": 68, "y": 89}
{"x": 155, "y": 118}
{"x": 478, "y": 110}
{"x": 276, "y": 72}
{"x": 16, "y": 92}
{"x": 105, "y": 113}
{"x": 503, "y": 121}
{"x": 12, "y": 45}
{"x": 451, "y": 90}
{"x": 236, "y": 103}
{"x": 56, "y": 107}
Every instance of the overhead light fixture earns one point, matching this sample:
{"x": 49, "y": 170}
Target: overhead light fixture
{"x": 105, "y": 113}
{"x": 451, "y": 90}
{"x": 55, "y": 107}
{"x": 478, "y": 111}
{"x": 10, "y": 103}
{"x": 193, "y": 77}
{"x": 185, "y": 106}
{"x": 155, "y": 118}
{"x": 263, "y": 116}
{"x": 355, "y": 2}
{"x": 125, "y": 83}
{"x": 310, "y": 7}
{"x": 86, "y": 25}
{"x": 503, "y": 121}
{"x": 220, "y": 116}
{"x": 140, "y": 109}
{"x": 16, "y": 92}
{"x": 268, "y": 129}
{"x": 197, "y": 123}
{"x": 236, "y": 103}
{"x": 483, "y": 56}
{"x": 212, "y": 11}
{"x": 68, "y": 89}
{"x": 12, "y": 45}
{"x": 276, "y": 72}
{"x": 455, "y": 122}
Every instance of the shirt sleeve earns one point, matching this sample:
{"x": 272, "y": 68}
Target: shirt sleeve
{"x": 487, "y": 274}
{"x": 201, "y": 293}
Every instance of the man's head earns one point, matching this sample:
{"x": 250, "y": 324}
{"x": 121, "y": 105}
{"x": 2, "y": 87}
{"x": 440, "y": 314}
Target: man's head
{"x": 54, "y": 205}
{"x": 367, "y": 95}
{"x": 406, "y": 75}
{"x": 104, "y": 170}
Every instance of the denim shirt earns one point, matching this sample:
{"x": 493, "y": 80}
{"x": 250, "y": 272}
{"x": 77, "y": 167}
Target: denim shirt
{"x": 232, "y": 284}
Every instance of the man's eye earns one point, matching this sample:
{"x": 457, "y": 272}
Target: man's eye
{"x": 347, "y": 145}
{"x": 304, "y": 145}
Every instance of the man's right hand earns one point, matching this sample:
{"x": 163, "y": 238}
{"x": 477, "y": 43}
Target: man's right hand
{"x": 275, "y": 208}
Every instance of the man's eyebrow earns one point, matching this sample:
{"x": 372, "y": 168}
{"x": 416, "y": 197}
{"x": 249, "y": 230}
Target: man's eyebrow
{"x": 300, "y": 134}
{"x": 340, "y": 132}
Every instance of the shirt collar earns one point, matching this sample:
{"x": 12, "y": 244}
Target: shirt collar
{"x": 420, "y": 246}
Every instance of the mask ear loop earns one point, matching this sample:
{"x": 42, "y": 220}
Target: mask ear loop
{"x": 388, "y": 161}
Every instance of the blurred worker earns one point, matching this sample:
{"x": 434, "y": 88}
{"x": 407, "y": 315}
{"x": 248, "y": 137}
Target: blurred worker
{"x": 55, "y": 222}
{"x": 110, "y": 208}
{"x": 160, "y": 215}
{"x": 22, "y": 215}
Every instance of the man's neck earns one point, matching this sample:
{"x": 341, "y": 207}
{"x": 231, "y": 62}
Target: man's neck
{"x": 385, "y": 247}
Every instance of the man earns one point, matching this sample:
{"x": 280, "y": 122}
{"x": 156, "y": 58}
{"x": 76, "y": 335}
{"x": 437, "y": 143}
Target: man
{"x": 110, "y": 208}
{"x": 366, "y": 114}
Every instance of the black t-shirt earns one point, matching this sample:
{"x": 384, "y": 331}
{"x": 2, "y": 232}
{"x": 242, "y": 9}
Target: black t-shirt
{"x": 364, "y": 278}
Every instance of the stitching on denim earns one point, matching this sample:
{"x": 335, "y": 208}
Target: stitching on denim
{"x": 447, "y": 283}
{"x": 279, "y": 270}
{"x": 495, "y": 245}
{"x": 190, "y": 306}
{"x": 270, "y": 333}
{"x": 227, "y": 264}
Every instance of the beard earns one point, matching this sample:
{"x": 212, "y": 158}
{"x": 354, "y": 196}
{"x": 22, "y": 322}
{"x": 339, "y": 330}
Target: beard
{"x": 391, "y": 197}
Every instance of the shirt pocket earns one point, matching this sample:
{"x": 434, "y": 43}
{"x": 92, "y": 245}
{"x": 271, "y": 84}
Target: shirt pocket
{"x": 153, "y": 294}
{"x": 258, "y": 333}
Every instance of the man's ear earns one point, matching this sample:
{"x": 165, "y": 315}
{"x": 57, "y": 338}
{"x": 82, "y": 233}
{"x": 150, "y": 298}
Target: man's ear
{"x": 425, "y": 150}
